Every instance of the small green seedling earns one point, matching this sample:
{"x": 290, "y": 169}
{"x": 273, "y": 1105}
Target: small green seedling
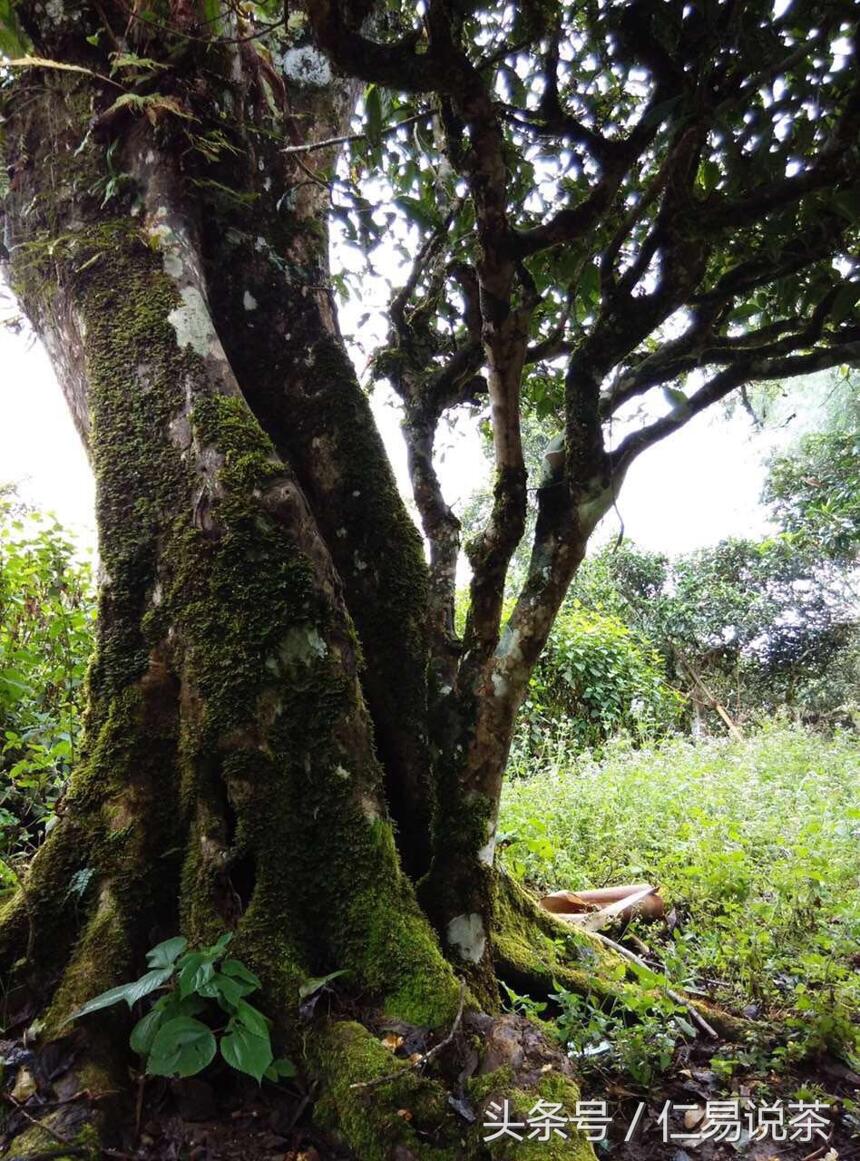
{"x": 171, "y": 1039}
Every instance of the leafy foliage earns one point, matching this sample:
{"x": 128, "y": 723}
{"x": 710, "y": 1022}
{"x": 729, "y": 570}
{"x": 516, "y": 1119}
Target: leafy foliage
{"x": 753, "y": 843}
{"x": 815, "y": 493}
{"x": 47, "y": 610}
{"x": 597, "y": 677}
{"x": 12, "y": 41}
{"x": 764, "y": 623}
{"x": 171, "y": 1038}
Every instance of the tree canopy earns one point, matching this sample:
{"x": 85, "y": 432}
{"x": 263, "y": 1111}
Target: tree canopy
{"x": 615, "y": 215}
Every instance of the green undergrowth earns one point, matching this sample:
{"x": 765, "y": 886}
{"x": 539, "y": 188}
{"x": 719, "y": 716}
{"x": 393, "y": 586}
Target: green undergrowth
{"x": 754, "y": 845}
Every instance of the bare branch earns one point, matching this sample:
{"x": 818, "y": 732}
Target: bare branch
{"x": 747, "y": 370}
{"x": 345, "y": 139}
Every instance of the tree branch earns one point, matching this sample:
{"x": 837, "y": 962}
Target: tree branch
{"x": 748, "y": 370}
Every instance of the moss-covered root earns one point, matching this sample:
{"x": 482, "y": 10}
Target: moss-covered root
{"x": 521, "y": 1079}
{"x": 42, "y": 1141}
{"x": 534, "y": 952}
{"x": 405, "y": 1119}
{"x": 410, "y": 1117}
{"x": 59, "y": 1123}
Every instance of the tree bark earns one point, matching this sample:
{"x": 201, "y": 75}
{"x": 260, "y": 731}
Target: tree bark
{"x": 257, "y": 751}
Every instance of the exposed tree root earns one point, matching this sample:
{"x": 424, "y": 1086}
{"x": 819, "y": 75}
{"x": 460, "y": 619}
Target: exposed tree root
{"x": 535, "y": 952}
{"x": 380, "y": 1106}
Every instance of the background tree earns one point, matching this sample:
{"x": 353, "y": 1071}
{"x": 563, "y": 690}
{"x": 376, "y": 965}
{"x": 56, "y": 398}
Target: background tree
{"x": 755, "y": 625}
{"x": 46, "y": 623}
{"x": 285, "y": 737}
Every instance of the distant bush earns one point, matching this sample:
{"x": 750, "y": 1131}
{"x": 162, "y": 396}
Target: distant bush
{"x": 46, "y": 621}
{"x": 594, "y": 679}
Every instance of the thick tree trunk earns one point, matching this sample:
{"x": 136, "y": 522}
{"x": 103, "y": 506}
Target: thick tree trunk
{"x": 258, "y": 696}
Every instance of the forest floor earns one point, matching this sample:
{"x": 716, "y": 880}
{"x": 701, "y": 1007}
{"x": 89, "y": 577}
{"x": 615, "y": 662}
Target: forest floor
{"x": 754, "y": 846}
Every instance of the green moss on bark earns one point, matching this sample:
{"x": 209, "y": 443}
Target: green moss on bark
{"x": 409, "y": 1111}
{"x": 534, "y": 951}
{"x": 551, "y": 1088}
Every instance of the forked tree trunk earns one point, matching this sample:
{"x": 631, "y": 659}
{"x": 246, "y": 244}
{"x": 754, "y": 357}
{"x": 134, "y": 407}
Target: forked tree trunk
{"x": 258, "y": 754}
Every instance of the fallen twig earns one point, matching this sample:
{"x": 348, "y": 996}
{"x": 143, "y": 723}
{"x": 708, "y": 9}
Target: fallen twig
{"x": 426, "y": 1057}
{"x": 695, "y": 1016}
{"x": 69, "y": 1146}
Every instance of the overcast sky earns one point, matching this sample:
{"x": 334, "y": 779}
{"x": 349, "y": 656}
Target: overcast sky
{"x": 695, "y": 488}
{"x": 698, "y": 486}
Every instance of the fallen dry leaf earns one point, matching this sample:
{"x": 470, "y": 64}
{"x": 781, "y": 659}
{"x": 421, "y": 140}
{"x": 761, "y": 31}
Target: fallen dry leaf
{"x": 693, "y": 1117}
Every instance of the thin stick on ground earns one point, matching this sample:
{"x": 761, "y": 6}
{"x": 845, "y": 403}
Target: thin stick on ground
{"x": 69, "y": 1146}
{"x": 695, "y": 1016}
{"x": 425, "y": 1057}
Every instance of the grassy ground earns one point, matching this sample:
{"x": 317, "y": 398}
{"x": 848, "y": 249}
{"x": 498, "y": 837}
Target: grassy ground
{"x": 755, "y": 846}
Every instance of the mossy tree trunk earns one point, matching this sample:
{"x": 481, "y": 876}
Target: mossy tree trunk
{"x": 259, "y": 753}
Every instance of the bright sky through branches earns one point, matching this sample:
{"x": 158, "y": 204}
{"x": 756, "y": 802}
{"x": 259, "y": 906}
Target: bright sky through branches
{"x": 698, "y": 486}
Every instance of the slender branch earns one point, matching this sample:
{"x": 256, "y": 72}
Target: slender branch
{"x": 722, "y": 384}
{"x": 346, "y": 138}
{"x": 425, "y": 1058}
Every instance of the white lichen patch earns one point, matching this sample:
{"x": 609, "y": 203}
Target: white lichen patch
{"x": 596, "y": 506}
{"x": 487, "y": 852}
{"x": 465, "y": 933}
{"x": 180, "y": 431}
{"x": 306, "y": 66}
{"x": 302, "y": 645}
{"x": 173, "y": 264}
{"x": 192, "y": 323}
{"x": 509, "y": 645}
{"x": 248, "y": 301}
{"x": 342, "y": 772}
{"x": 370, "y": 808}
{"x": 500, "y": 685}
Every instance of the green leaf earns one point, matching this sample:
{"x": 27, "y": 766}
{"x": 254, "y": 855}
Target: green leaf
{"x": 220, "y": 945}
{"x": 144, "y": 1032}
{"x": 373, "y": 115}
{"x": 709, "y": 176}
{"x": 251, "y": 1018}
{"x": 130, "y": 993}
{"x": 418, "y": 211}
{"x": 246, "y": 1051}
{"x": 589, "y": 284}
{"x": 151, "y": 104}
{"x": 685, "y": 1026}
{"x": 315, "y": 983}
{"x": 224, "y": 989}
{"x": 211, "y": 13}
{"x": 280, "y": 1069}
{"x": 182, "y": 1047}
{"x": 130, "y": 60}
{"x": 165, "y": 954}
{"x": 12, "y": 40}
{"x": 843, "y": 303}
{"x": 236, "y": 969}
{"x": 195, "y": 972}
{"x": 675, "y": 397}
